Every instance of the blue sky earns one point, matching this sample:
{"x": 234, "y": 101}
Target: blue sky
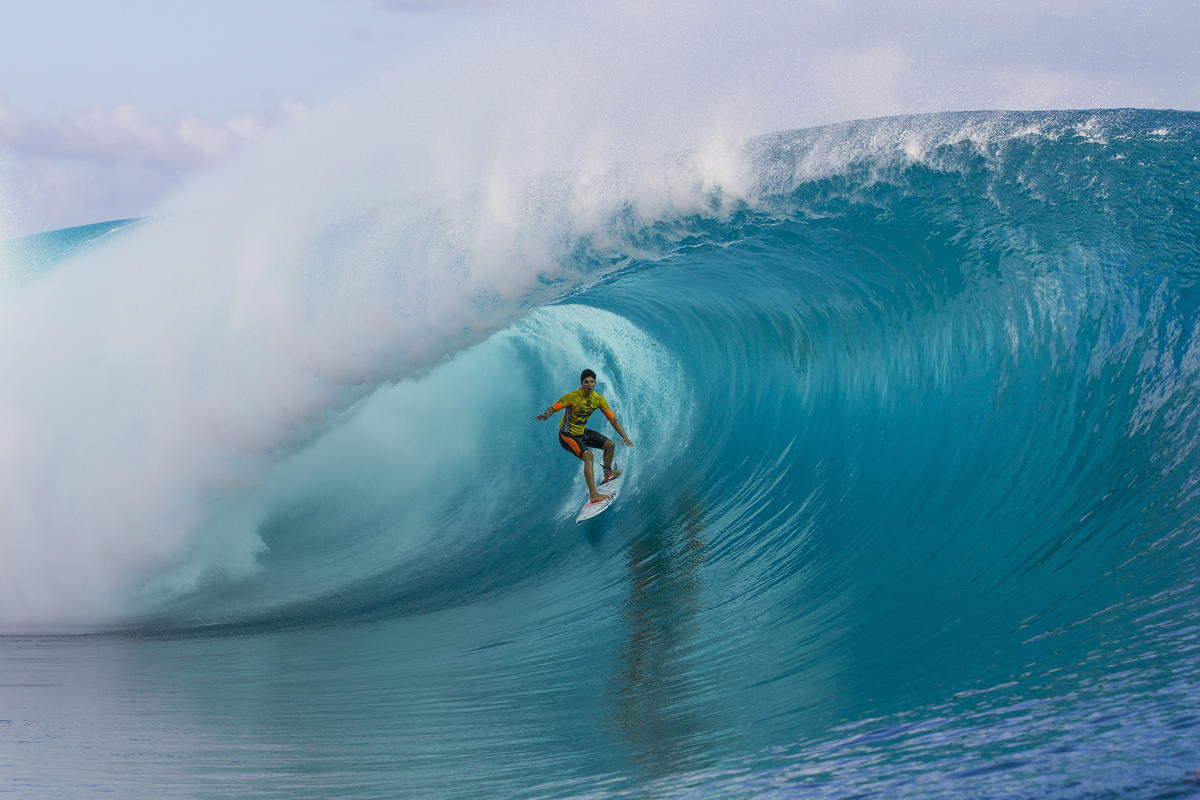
{"x": 174, "y": 57}
{"x": 106, "y": 107}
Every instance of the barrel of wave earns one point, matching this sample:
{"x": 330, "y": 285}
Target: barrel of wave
{"x": 428, "y": 474}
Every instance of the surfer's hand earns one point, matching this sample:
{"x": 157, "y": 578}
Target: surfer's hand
{"x": 628, "y": 442}
{"x": 542, "y": 416}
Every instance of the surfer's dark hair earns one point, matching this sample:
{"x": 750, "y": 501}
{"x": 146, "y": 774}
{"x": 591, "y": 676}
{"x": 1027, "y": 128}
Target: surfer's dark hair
{"x": 587, "y": 373}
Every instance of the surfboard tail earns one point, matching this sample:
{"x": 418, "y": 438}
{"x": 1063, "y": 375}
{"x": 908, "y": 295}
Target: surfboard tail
{"x": 591, "y": 509}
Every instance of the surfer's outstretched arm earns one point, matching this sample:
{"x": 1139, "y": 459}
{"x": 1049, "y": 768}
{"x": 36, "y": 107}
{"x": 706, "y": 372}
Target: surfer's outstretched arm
{"x": 612, "y": 418}
{"x": 554, "y": 409}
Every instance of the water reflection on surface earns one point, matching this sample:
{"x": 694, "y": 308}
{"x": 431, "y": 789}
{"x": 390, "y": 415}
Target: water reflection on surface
{"x": 656, "y": 702}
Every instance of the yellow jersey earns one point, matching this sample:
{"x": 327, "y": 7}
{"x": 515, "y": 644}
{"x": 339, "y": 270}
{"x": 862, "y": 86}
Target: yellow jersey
{"x": 579, "y": 408}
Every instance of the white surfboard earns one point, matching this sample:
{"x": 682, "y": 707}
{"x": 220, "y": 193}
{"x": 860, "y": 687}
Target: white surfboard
{"x": 610, "y": 488}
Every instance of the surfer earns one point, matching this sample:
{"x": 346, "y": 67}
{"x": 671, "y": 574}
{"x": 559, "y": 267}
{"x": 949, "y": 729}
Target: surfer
{"x": 576, "y": 438}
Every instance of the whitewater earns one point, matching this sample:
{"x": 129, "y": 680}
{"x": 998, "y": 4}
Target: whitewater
{"x": 912, "y": 511}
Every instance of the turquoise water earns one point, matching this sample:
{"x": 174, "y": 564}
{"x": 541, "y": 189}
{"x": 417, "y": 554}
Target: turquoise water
{"x": 911, "y": 512}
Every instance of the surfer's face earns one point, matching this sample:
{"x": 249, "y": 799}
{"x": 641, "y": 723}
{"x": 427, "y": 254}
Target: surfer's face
{"x": 588, "y": 385}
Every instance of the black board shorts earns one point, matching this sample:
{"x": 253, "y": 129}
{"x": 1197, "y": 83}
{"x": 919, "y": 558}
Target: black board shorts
{"x": 576, "y": 444}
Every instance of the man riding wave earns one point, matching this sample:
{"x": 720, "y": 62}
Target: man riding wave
{"x": 575, "y": 437}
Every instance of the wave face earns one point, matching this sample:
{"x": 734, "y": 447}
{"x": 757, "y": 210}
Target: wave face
{"x": 912, "y": 508}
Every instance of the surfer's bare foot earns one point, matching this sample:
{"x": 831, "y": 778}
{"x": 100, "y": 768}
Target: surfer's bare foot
{"x": 600, "y": 498}
{"x": 609, "y": 474}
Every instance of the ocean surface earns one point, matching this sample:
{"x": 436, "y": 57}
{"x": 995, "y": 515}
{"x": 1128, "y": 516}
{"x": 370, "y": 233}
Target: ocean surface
{"x": 913, "y": 509}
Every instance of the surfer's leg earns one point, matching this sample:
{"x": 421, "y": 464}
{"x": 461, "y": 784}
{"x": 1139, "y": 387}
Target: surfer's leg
{"x": 589, "y": 475}
{"x": 609, "y": 448}
{"x": 575, "y": 446}
{"x": 599, "y": 441}
{"x": 571, "y": 444}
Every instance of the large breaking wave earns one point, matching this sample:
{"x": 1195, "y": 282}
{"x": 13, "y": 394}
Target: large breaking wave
{"x": 982, "y": 316}
{"x": 914, "y": 399}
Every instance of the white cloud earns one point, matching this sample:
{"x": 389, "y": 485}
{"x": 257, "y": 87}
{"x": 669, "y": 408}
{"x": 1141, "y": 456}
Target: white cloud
{"x": 125, "y": 132}
{"x": 106, "y": 163}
